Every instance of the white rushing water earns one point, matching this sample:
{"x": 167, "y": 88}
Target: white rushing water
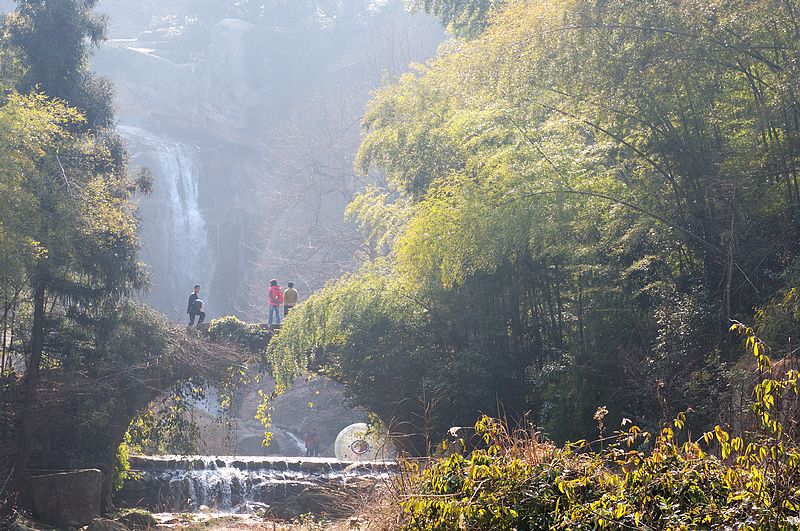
{"x": 300, "y": 444}
{"x": 177, "y": 189}
{"x": 235, "y": 484}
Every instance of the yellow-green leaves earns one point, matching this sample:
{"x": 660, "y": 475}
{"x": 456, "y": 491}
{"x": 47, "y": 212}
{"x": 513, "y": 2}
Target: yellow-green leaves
{"x": 32, "y": 128}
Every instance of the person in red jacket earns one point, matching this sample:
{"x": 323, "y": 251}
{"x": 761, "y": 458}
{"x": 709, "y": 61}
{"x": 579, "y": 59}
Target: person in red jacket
{"x": 275, "y": 299}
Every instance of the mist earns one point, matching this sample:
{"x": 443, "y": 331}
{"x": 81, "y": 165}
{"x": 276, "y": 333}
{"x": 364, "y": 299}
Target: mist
{"x": 247, "y": 114}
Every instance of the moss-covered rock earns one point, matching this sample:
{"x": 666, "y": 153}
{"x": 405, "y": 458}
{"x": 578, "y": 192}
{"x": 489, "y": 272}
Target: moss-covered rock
{"x": 136, "y": 518}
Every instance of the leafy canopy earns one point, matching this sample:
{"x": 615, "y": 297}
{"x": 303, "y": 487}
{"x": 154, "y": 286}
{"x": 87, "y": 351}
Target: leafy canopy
{"x": 580, "y": 197}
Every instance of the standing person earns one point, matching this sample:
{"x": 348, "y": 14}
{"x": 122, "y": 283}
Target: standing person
{"x": 315, "y": 443}
{"x": 308, "y": 444}
{"x": 275, "y": 298}
{"x": 195, "y": 307}
{"x": 290, "y": 297}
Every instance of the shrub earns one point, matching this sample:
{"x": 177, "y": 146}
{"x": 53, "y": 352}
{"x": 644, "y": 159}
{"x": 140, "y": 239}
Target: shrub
{"x": 122, "y": 466}
{"x": 516, "y": 481}
{"x": 232, "y": 329}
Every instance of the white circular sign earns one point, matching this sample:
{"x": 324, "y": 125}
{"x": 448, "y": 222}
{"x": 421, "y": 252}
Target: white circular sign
{"x": 357, "y": 443}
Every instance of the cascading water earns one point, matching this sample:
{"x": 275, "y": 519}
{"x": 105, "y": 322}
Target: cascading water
{"x": 233, "y": 484}
{"x": 187, "y": 259}
{"x": 300, "y": 444}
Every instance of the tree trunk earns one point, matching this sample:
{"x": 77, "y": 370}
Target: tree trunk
{"x": 25, "y": 420}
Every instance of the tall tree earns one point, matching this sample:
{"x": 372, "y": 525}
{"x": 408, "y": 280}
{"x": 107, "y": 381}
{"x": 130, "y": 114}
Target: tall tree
{"x": 465, "y": 18}
{"x": 79, "y": 260}
{"x": 55, "y": 37}
{"x": 590, "y": 190}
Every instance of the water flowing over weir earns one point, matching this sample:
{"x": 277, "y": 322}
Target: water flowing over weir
{"x": 289, "y": 486}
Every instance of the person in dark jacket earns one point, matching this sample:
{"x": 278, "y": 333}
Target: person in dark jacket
{"x": 195, "y": 307}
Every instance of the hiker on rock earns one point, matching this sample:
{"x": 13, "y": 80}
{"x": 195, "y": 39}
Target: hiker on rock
{"x": 195, "y": 307}
{"x": 275, "y": 299}
{"x": 290, "y": 297}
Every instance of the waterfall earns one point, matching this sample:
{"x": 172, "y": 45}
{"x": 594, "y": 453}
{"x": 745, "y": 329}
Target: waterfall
{"x": 188, "y": 260}
{"x": 299, "y": 443}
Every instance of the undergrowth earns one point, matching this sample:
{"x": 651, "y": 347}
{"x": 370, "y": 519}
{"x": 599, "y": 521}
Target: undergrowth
{"x": 664, "y": 481}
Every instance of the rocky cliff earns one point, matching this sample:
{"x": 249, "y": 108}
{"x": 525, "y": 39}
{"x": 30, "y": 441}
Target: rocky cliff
{"x": 248, "y": 117}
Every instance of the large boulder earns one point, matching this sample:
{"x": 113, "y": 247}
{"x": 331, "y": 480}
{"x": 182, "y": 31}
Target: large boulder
{"x": 66, "y": 499}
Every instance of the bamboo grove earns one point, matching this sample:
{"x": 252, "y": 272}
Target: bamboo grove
{"x": 576, "y": 202}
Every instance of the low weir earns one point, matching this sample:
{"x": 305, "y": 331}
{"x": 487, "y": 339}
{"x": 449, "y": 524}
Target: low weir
{"x": 283, "y": 486}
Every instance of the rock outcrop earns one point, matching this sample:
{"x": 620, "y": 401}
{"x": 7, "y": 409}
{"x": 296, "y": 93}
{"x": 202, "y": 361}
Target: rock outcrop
{"x": 66, "y": 499}
{"x": 104, "y": 524}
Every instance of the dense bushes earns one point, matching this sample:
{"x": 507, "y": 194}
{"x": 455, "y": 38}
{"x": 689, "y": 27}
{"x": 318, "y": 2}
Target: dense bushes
{"x": 516, "y": 481}
{"x": 674, "y": 487}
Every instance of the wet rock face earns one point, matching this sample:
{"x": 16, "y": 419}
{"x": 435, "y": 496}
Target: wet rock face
{"x": 66, "y": 499}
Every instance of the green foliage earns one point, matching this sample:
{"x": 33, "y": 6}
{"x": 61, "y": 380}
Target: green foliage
{"x": 30, "y": 126}
{"x": 250, "y": 336}
{"x": 166, "y": 428}
{"x": 580, "y": 197}
{"x": 68, "y": 250}
{"x": 333, "y": 319}
{"x": 518, "y": 482}
{"x": 69, "y": 226}
{"x": 465, "y": 18}
{"x": 62, "y": 70}
{"x": 92, "y": 358}
{"x": 122, "y": 467}
{"x": 167, "y": 425}
{"x": 364, "y": 331}
{"x": 132, "y": 341}
{"x": 380, "y": 218}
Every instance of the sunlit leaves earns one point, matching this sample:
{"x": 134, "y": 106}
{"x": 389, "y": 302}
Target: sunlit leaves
{"x": 30, "y": 128}
{"x": 669, "y": 486}
{"x": 331, "y": 329}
